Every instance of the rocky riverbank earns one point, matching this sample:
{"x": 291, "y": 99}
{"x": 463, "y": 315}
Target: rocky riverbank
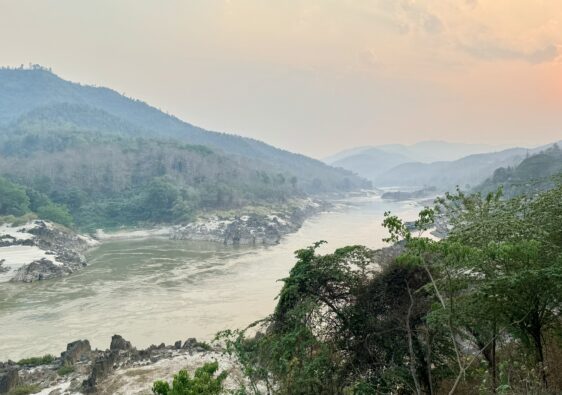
{"x": 121, "y": 369}
{"x": 252, "y": 226}
{"x": 40, "y": 250}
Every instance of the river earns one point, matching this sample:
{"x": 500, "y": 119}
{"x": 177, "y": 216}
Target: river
{"x": 156, "y": 290}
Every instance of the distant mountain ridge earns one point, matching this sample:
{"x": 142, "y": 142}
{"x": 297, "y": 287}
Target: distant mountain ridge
{"x": 533, "y": 174}
{"x": 423, "y": 151}
{"x": 373, "y": 162}
{"x": 397, "y": 165}
{"x": 465, "y": 172}
{"x": 113, "y": 161}
{"x": 39, "y": 94}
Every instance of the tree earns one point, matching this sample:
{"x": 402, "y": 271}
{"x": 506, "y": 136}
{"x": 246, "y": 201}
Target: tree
{"x": 13, "y": 199}
{"x": 498, "y": 272}
{"x": 159, "y": 200}
{"x": 56, "y": 213}
{"x": 204, "y": 382}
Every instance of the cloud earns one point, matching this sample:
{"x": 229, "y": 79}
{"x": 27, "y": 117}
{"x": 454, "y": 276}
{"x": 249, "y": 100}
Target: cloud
{"x": 489, "y": 51}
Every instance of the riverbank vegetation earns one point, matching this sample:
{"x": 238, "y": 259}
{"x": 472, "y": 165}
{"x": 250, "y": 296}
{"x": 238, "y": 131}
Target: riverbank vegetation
{"x": 104, "y": 160}
{"x": 477, "y": 312}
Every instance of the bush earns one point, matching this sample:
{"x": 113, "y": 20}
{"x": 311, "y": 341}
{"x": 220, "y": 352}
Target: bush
{"x": 56, "y": 213}
{"x": 36, "y": 361}
{"x": 24, "y": 390}
{"x": 65, "y": 369}
{"x": 13, "y": 199}
{"x": 203, "y": 382}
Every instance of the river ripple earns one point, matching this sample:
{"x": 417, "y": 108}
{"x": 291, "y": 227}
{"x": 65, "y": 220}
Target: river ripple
{"x": 157, "y": 290}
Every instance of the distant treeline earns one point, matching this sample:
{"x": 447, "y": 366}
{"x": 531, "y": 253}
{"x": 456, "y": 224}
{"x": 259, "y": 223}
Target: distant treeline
{"x": 109, "y": 161}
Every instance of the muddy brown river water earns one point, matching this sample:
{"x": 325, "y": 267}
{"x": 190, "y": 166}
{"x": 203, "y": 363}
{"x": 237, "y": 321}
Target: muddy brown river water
{"x": 156, "y": 290}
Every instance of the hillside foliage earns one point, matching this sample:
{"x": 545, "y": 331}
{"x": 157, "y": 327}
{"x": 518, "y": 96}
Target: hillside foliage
{"x": 476, "y": 312}
{"x": 534, "y": 173}
{"x": 108, "y": 160}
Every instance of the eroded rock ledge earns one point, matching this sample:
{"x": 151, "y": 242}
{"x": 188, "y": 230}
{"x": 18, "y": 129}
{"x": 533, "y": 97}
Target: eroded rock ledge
{"x": 121, "y": 369}
{"x": 40, "y": 250}
{"x": 251, "y": 229}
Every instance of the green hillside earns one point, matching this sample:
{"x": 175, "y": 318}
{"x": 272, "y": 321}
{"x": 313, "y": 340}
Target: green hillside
{"x": 533, "y": 174}
{"x": 40, "y": 92}
{"x": 112, "y": 161}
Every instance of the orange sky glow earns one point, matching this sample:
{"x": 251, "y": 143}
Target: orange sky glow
{"x": 314, "y": 76}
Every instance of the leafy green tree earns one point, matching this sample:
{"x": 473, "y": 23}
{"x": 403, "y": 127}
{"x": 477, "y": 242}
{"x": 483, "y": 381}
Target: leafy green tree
{"x": 204, "y": 382}
{"x": 13, "y": 199}
{"x": 37, "y": 199}
{"x": 437, "y": 316}
{"x": 159, "y": 200}
{"x": 340, "y": 325}
{"x": 56, "y": 213}
{"x": 498, "y": 273}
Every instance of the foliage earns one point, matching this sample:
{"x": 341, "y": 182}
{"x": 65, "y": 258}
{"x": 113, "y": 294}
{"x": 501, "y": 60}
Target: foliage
{"x": 477, "y": 309}
{"x": 92, "y": 149}
{"x": 203, "y": 382}
{"x": 65, "y": 369}
{"x": 534, "y": 173}
{"x": 24, "y": 390}
{"x": 13, "y": 200}
{"x": 18, "y": 221}
{"x": 36, "y": 361}
{"x": 56, "y": 213}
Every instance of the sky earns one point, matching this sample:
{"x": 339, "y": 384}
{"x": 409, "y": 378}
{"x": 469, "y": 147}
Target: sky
{"x": 313, "y": 76}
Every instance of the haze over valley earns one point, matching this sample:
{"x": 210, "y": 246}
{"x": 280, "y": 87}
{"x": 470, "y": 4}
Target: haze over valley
{"x": 293, "y": 198}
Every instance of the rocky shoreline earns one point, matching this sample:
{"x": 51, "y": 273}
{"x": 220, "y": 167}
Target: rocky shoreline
{"x": 40, "y": 250}
{"x": 247, "y": 227}
{"x": 250, "y": 229}
{"x": 121, "y": 369}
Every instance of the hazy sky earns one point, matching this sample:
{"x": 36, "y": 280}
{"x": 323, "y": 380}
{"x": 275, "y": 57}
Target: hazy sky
{"x": 313, "y": 76}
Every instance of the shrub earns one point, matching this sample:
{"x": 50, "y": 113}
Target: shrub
{"x": 65, "y": 369}
{"x": 56, "y": 213}
{"x": 24, "y": 390}
{"x": 36, "y": 361}
{"x": 204, "y": 382}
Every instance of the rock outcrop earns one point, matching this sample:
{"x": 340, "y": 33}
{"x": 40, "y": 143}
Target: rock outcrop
{"x": 102, "y": 367}
{"x": 78, "y": 350}
{"x": 251, "y": 229}
{"x": 118, "y": 343}
{"x": 9, "y": 378}
{"x": 41, "y": 269}
{"x": 52, "y": 251}
{"x": 86, "y": 369}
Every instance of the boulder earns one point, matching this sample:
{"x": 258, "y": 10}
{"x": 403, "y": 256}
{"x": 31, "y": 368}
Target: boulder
{"x": 118, "y": 343}
{"x": 9, "y": 379}
{"x": 41, "y": 269}
{"x": 78, "y": 350}
{"x": 103, "y": 365}
{"x": 190, "y": 343}
{"x": 177, "y": 345}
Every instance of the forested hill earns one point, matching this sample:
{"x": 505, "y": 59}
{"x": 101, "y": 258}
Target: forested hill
{"x": 39, "y": 93}
{"x": 110, "y": 160}
{"x": 533, "y": 174}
